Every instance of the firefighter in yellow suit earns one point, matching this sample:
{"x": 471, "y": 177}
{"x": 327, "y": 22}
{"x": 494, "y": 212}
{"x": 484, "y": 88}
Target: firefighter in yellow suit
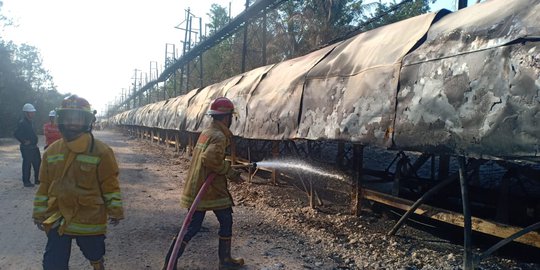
{"x": 209, "y": 157}
{"x": 79, "y": 189}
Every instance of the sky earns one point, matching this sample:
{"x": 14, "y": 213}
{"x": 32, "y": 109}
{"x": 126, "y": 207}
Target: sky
{"x": 92, "y": 48}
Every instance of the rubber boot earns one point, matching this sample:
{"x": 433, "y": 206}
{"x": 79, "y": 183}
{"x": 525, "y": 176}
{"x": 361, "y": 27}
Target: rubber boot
{"x": 169, "y": 253}
{"x": 98, "y": 265}
{"x": 225, "y": 260}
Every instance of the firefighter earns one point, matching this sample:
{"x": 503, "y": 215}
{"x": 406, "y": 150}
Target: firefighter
{"x": 50, "y": 130}
{"x": 79, "y": 189}
{"x": 26, "y": 135}
{"x": 209, "y": 157}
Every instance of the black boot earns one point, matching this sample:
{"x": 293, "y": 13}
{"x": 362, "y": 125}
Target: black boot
{"x": 169, "y": 253}
{"x": 225, "y": 260}
{"x": 98, "y": 265}
{"x": 28, "y": 184}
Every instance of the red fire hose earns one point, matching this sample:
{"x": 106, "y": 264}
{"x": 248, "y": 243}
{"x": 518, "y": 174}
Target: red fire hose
{"x": 187, "y": 220}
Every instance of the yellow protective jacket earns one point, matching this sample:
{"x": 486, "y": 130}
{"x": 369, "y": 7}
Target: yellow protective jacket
{"x": 79, "y": 187}
{"x": 209, "y": 157}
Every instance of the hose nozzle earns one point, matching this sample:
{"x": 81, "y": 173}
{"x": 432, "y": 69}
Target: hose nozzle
{"x": 252, "y": 165}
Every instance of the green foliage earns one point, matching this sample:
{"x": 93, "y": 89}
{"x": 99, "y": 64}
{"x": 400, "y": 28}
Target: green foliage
{"x": 384, "y": 16}
{"x": 23, "y": 80}
{"x": 218, "y": 18}
{"x": 295, "y": 28}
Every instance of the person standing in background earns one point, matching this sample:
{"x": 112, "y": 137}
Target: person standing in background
{"x": 26, "y": 135}
{"x": 50, "y": 130}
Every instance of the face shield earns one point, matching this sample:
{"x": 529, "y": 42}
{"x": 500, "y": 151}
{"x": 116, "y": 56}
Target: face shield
{"x": 74, "y": 117}
{"x": 72, "y": 123}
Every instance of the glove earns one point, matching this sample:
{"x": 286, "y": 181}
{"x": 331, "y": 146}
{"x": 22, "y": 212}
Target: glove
{"x": 114, "y": 221}
{"x": 234, "y": 176}
{"x": 39, "y": 224}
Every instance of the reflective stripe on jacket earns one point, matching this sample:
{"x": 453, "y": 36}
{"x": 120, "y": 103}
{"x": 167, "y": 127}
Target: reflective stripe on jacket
{"x": 209, "y": 157}
{"x": 79, "y": 187}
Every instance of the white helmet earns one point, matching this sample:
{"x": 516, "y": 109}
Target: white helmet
{"x": 52, "y": 113}
{"x": 28, "y": 108}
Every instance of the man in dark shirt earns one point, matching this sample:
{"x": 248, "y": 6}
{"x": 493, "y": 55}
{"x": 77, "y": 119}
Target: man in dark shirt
{"x": 26, "y": 135}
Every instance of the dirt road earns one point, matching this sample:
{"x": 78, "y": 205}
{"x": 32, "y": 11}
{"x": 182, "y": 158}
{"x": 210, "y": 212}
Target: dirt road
{"x": 274, "y": 229}
{"x": 151, "y": 190}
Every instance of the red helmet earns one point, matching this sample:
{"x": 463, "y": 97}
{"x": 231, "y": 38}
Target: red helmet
{"x": 221, "y": 105}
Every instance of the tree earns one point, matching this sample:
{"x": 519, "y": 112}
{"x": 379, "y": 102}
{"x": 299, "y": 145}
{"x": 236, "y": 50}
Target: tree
{"x": 295, "y": 28}
{"x": 218, "y": 17}
{"x": 383, "y": 14}
{"x": 23, "y": 80}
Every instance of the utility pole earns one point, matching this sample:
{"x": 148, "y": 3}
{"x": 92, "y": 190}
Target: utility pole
{"x": 264, "y": 40}
{"x": 170, "y": 58}
{"x": 244, "y": 46}
{"x": 122, "y": 98}
{"x": 200, "y": 55}
{"x": 188, "y": 49}
{"x": 136, "y": 71}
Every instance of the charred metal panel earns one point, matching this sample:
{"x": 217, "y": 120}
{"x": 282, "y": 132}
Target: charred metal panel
{"x": 176, "y": 119}
{"x": 139, "y": 115}
{"x": 484, "y": 104}
{"x": 274, "y": 106}
{"x": 471, "y": 89}
{"x": 165, "y": 113}
{"x": 153, "y": 118}
{"x": 349, "y": 95}
{"x": 240, "y": 95}
{"x": 482, "y": 26}
{"x": 199, "y": 104}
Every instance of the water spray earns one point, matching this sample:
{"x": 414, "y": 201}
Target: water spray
{"x": 299, "y": 166}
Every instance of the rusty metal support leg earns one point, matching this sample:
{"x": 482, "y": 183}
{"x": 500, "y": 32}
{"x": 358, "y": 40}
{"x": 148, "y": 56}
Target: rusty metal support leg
{"x": 507, "y": 240}
{"x": 340, "y": 156}
{"x": 249, "y": 160}
{"x": 189, "y": 148}
{"x": 356, "y": 192}
{"x": 467, "y": 224}
{"x": 400, "y": 168}
{"x": 503, "y": 208}
{"x": 233, "y": 151}
{"x": 176, "y": 142}
{"x": 275, "y": 154}
{"x": 444, "y": 166}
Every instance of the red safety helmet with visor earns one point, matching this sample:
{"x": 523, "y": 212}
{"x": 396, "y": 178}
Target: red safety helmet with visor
{"x": 221, "y": 106}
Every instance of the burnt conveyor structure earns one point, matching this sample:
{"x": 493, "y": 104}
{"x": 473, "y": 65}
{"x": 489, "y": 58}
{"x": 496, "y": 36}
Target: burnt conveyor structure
{"x": 453, "y": 98}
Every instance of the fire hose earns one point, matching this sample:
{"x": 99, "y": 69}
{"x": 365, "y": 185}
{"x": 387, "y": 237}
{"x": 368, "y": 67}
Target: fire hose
{"x": 187, "y": 220}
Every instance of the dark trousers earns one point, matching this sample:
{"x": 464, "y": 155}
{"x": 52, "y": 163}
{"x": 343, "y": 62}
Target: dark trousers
{"x": 31, "y": 158}
{"x": 58, "y": 249}
{"x": 224, "y": 216}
